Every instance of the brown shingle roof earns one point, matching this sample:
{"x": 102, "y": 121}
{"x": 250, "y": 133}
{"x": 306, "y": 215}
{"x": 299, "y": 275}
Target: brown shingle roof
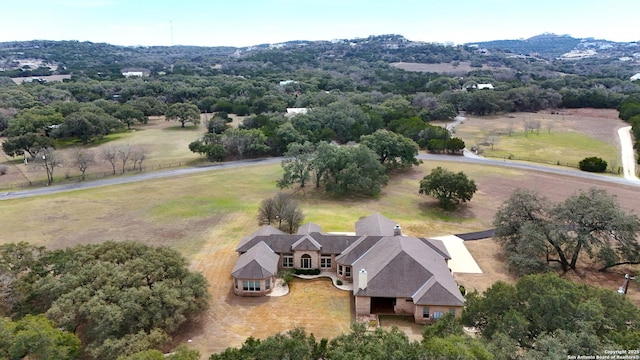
{"x": 375, "y": 224}
{"x": 401, "y": 266}
{"x": 260, "y": 262}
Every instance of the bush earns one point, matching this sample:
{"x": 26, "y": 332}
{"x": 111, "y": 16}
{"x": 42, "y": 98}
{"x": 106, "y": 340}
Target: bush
{"x": 306, "y": 271}
{"x": 286, "y": 275}
{"x": 3, "y": 169}
{"x": 593, "y": 164}
{"x": 338, "y": 282}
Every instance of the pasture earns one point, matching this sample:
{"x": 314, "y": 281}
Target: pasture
{"x": 205, "y": 215}
{"x": 166, "y": 144}
{"x": 563, "y": 138}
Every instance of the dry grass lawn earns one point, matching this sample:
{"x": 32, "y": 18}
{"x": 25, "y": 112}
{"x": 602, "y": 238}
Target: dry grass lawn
{"x": 564, "y": 138}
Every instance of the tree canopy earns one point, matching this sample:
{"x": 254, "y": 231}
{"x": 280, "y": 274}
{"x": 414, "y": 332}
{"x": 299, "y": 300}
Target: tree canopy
{"x": 394, "y": 150}
{"x": 119, "y": 297}
{"x": 535, "y": 233}
{"x": 448, "y": 187}
{"x": 184, "y": 113}
{"x": 550, "y": 317}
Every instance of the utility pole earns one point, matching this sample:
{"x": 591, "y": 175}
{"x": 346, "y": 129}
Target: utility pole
{"x": 171, "y": 30}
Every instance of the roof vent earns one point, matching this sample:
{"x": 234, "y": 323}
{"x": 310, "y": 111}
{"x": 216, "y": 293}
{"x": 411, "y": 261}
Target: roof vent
{"x": 397, "y": 231}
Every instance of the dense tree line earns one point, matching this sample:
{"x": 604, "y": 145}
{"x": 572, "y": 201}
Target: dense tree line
{"x": 119, "y": 298}
{"x": 547, "y": 317}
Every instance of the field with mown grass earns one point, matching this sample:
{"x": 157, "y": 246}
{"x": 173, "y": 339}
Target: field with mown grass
{"x": 563, "y": 138}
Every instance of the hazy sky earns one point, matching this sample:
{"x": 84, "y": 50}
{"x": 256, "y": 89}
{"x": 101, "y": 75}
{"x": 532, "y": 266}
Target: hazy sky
{"x": 252, "y": 22}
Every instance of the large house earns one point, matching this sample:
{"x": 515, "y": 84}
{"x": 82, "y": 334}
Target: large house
{"x": 391, "y": 273}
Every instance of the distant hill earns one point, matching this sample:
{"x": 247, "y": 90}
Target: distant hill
{"x": 552, "y": 46}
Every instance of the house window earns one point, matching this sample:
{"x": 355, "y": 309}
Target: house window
{"x": 437, "y": 315}
{"x": 305, "y": 261}
{"x": 340, "y": 270}
{"x": 251, "y": 285}
{"x": 452, "y": 311}
{"x": 425, "y": 312}
{"x": 325, "y": 262}
{"x": 287, "y": 260}
{"x": 347, "y": 271}
{"x": 267, "y": 284}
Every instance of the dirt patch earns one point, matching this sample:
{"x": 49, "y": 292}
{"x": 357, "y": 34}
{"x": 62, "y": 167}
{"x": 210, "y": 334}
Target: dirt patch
{"x": 461, "y": 68}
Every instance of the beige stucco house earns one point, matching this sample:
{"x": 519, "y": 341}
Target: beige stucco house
{"x": 391, "y": 273}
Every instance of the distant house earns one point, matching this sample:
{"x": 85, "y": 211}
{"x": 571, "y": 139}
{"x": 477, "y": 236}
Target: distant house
{"x": 135, "y": 72}
{"x": 390, "y": 273}
{"x": 635, "y": 77}
{"x": 484, "y": 86}
{"x": 287, "y": 82}
{"x": 296, "y": 111}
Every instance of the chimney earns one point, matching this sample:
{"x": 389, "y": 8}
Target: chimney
{"x": 362, "y": 279}
{"x": 397, "y": 231}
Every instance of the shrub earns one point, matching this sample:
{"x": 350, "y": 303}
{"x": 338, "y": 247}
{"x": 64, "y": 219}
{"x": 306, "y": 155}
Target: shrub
{"x": 286, "y": 275}
{"x": 338, "y": 282}
{"x": 3, "y": 169}
{"x": 306, "y": 271}
{"x": 593, "y": 164}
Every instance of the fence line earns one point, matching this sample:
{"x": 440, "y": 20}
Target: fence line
{"x": 89, "y": 176}
{"x": 618, "y": 170}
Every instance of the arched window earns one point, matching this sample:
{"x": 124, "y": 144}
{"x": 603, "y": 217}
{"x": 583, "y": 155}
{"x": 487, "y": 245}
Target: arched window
{"x": 305, "y": 261}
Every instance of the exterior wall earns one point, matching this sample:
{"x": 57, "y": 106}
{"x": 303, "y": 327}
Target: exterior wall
{"x": 238, "y": 288}
{"x": 315, "y": 259}
{"x": 417, "y": 315}
{"x": 281, "y": 262}
{"x": 343, "y": 276}
{"x": 363, "y": 305}
{"x": 333, "y": 262}
{"x": 404, "y": 306}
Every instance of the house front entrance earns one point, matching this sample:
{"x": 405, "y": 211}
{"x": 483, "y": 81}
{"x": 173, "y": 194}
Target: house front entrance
{"x": 305, "y": 262}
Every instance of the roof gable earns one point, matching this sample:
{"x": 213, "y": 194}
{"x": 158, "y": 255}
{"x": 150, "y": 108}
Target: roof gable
{"x": 306, "y": 243}
{"x": 435, "y": 293}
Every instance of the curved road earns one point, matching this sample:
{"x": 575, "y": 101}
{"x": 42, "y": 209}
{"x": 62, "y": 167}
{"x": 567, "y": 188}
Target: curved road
{"x": 624, "y": 133}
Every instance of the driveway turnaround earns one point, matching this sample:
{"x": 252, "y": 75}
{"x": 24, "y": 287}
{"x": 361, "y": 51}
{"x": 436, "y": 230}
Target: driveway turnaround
{"x": 461, "y": 259}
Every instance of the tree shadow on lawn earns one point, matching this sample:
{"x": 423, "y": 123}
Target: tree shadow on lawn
{"x": 180, "y": 128}
{"x": 432, "y": 209}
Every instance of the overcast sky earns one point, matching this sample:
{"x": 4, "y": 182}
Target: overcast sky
{"x": 252, "y": 22}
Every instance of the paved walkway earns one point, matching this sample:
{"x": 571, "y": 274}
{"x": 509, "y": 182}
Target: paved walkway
{"x": 280, "y": 288}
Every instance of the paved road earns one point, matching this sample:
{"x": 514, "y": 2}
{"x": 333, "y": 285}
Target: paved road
{"x": 132, "y": 178}
{"x": 627, "y": 153}
{"x": 468, "y": 157}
